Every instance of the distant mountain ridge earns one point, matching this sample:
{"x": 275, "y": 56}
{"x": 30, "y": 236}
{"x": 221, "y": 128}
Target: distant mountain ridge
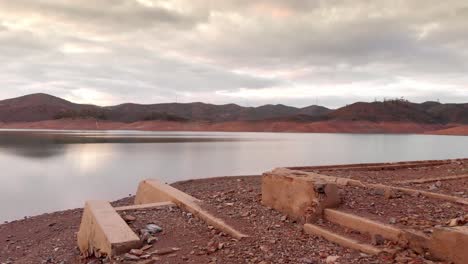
{"x": 42, "y": 107}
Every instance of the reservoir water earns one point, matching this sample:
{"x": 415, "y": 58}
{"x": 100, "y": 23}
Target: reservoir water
{"x": 45, "y": 171}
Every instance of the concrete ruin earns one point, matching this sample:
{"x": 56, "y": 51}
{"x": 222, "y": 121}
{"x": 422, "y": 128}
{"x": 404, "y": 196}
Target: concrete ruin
{"x": 302, "y": 199}
{"x": 307, "y": 196}
{"x": 104, "y": 233}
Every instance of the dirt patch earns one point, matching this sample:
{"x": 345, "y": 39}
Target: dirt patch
{"x": 457, "y": 188}
{"x": 406, "y": 211}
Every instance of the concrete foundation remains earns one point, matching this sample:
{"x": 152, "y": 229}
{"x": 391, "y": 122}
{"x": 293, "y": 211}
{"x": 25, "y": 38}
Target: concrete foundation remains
{"x": 450, "y": 243}
{"x": 152, "y": 191}
{"x": 310, "y": 197}
{"x": 301, "y": 198}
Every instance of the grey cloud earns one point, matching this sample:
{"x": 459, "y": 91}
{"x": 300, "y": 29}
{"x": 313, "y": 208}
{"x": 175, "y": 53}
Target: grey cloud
{"x": 111, "y": 16}
{"x": 128, "y": 49}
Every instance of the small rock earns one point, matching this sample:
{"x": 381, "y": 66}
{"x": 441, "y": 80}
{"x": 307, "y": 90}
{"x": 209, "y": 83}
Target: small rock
{"x": 129, "y": 218}
{"x": 144, "y": 248}
{"x": 145, "y": 256}
{"x": 153, "y": 229}
{"x": 392, "y": 220}
{"x": 137, "y": 252}
{"x": 129, "y": 256}
{"x": 151, "y": 240}
{"x": 331, "y": 259}
{"x": 438, "y": 184}
{"x": 307, "y": 261}
{"x": 165, "y": 251}
{"x": 377, "y": 240}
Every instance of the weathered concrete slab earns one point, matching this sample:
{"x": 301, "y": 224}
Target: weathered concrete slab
{"x": 301, "y": 198}
{"x": 144, "y": 206}
{"x": 450, "y": 243}
{"x": 152, "y": 191}
{"x": 351, "y": 182}
{"x": 376, "y": 166}
{"x": 445, "y": 178}
{"x": 340, "y": 240}
{"x": 104, "y": 232}
{"x": 363, "y": 225}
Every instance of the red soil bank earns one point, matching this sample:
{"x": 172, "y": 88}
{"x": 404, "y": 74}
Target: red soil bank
{"x": 246, "y": 126}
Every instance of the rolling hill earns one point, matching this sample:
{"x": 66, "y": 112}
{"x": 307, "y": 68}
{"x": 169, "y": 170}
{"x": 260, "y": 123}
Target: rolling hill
{"x": 394, "y": 116}
{"x": 41, "y": 107}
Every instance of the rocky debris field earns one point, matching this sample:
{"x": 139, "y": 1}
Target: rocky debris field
{"x": 405, "y": 211}
{"x": 457, "y": 188}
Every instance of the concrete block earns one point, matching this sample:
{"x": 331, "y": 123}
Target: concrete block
{"x": 152, "y": 191}
{"x": 301, "y": 198}
{"x": 450, "y": 244}
{"x": 362, "y": 224}
{"x": 340, "y": 240}
{"x": 104, "y": 232}
{"x": 144, "y": 206}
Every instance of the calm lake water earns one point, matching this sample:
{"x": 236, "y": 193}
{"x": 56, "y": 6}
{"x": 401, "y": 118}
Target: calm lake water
{"x": 45, "y": 171}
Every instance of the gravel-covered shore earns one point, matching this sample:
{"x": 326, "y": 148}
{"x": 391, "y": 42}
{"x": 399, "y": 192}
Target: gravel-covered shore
{"x": 51, "y": 238}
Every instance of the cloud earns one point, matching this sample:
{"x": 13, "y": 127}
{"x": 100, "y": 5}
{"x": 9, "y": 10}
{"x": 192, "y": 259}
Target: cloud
{"x": 293, "y": 52}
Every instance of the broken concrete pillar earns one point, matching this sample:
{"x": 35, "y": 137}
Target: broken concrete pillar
{"x": 450, "y": 243}
{"x": 103, "y": 232}
{"x": 301, "y": 198}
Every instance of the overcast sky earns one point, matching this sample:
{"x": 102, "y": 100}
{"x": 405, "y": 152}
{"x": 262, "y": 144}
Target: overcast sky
{"x": 295, "y": 52}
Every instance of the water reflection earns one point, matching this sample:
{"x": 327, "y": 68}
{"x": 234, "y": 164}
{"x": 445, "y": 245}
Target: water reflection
{"x": 44, "y": 144}
{"x": 45, "y": 171}
{"x": 30, "y": 146}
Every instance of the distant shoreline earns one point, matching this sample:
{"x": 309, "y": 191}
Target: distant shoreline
{"x": 358, "y": 127}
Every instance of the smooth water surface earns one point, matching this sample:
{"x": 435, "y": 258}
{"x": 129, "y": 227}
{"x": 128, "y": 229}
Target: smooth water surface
{"x": 45, "y": 171}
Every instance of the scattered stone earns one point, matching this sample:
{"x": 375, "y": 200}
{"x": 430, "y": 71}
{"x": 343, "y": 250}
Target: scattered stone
{"x": 392, "y": 220}
{"x": 377, "y": 240}
{"x": 438, "y": 184}
{"x": 379, "y": 191}
{"x": 151, "y": 240}
{"x": 146, "y": 247}
{"x": 145, "y": 256}
{"x": 129, "y": 256}
{"x": 165, "y": 251}
{"x": 137, "y": 252}
{"x": 459, "y": 221}
{"x": 331, "y": 259}
{"x": 307, "y": 261}
{"x": 129, "y": 218}
{"x": 153, "y": 229}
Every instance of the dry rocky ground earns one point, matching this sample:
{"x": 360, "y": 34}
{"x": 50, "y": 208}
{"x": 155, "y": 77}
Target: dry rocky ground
{"x": 51, "y": 238}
